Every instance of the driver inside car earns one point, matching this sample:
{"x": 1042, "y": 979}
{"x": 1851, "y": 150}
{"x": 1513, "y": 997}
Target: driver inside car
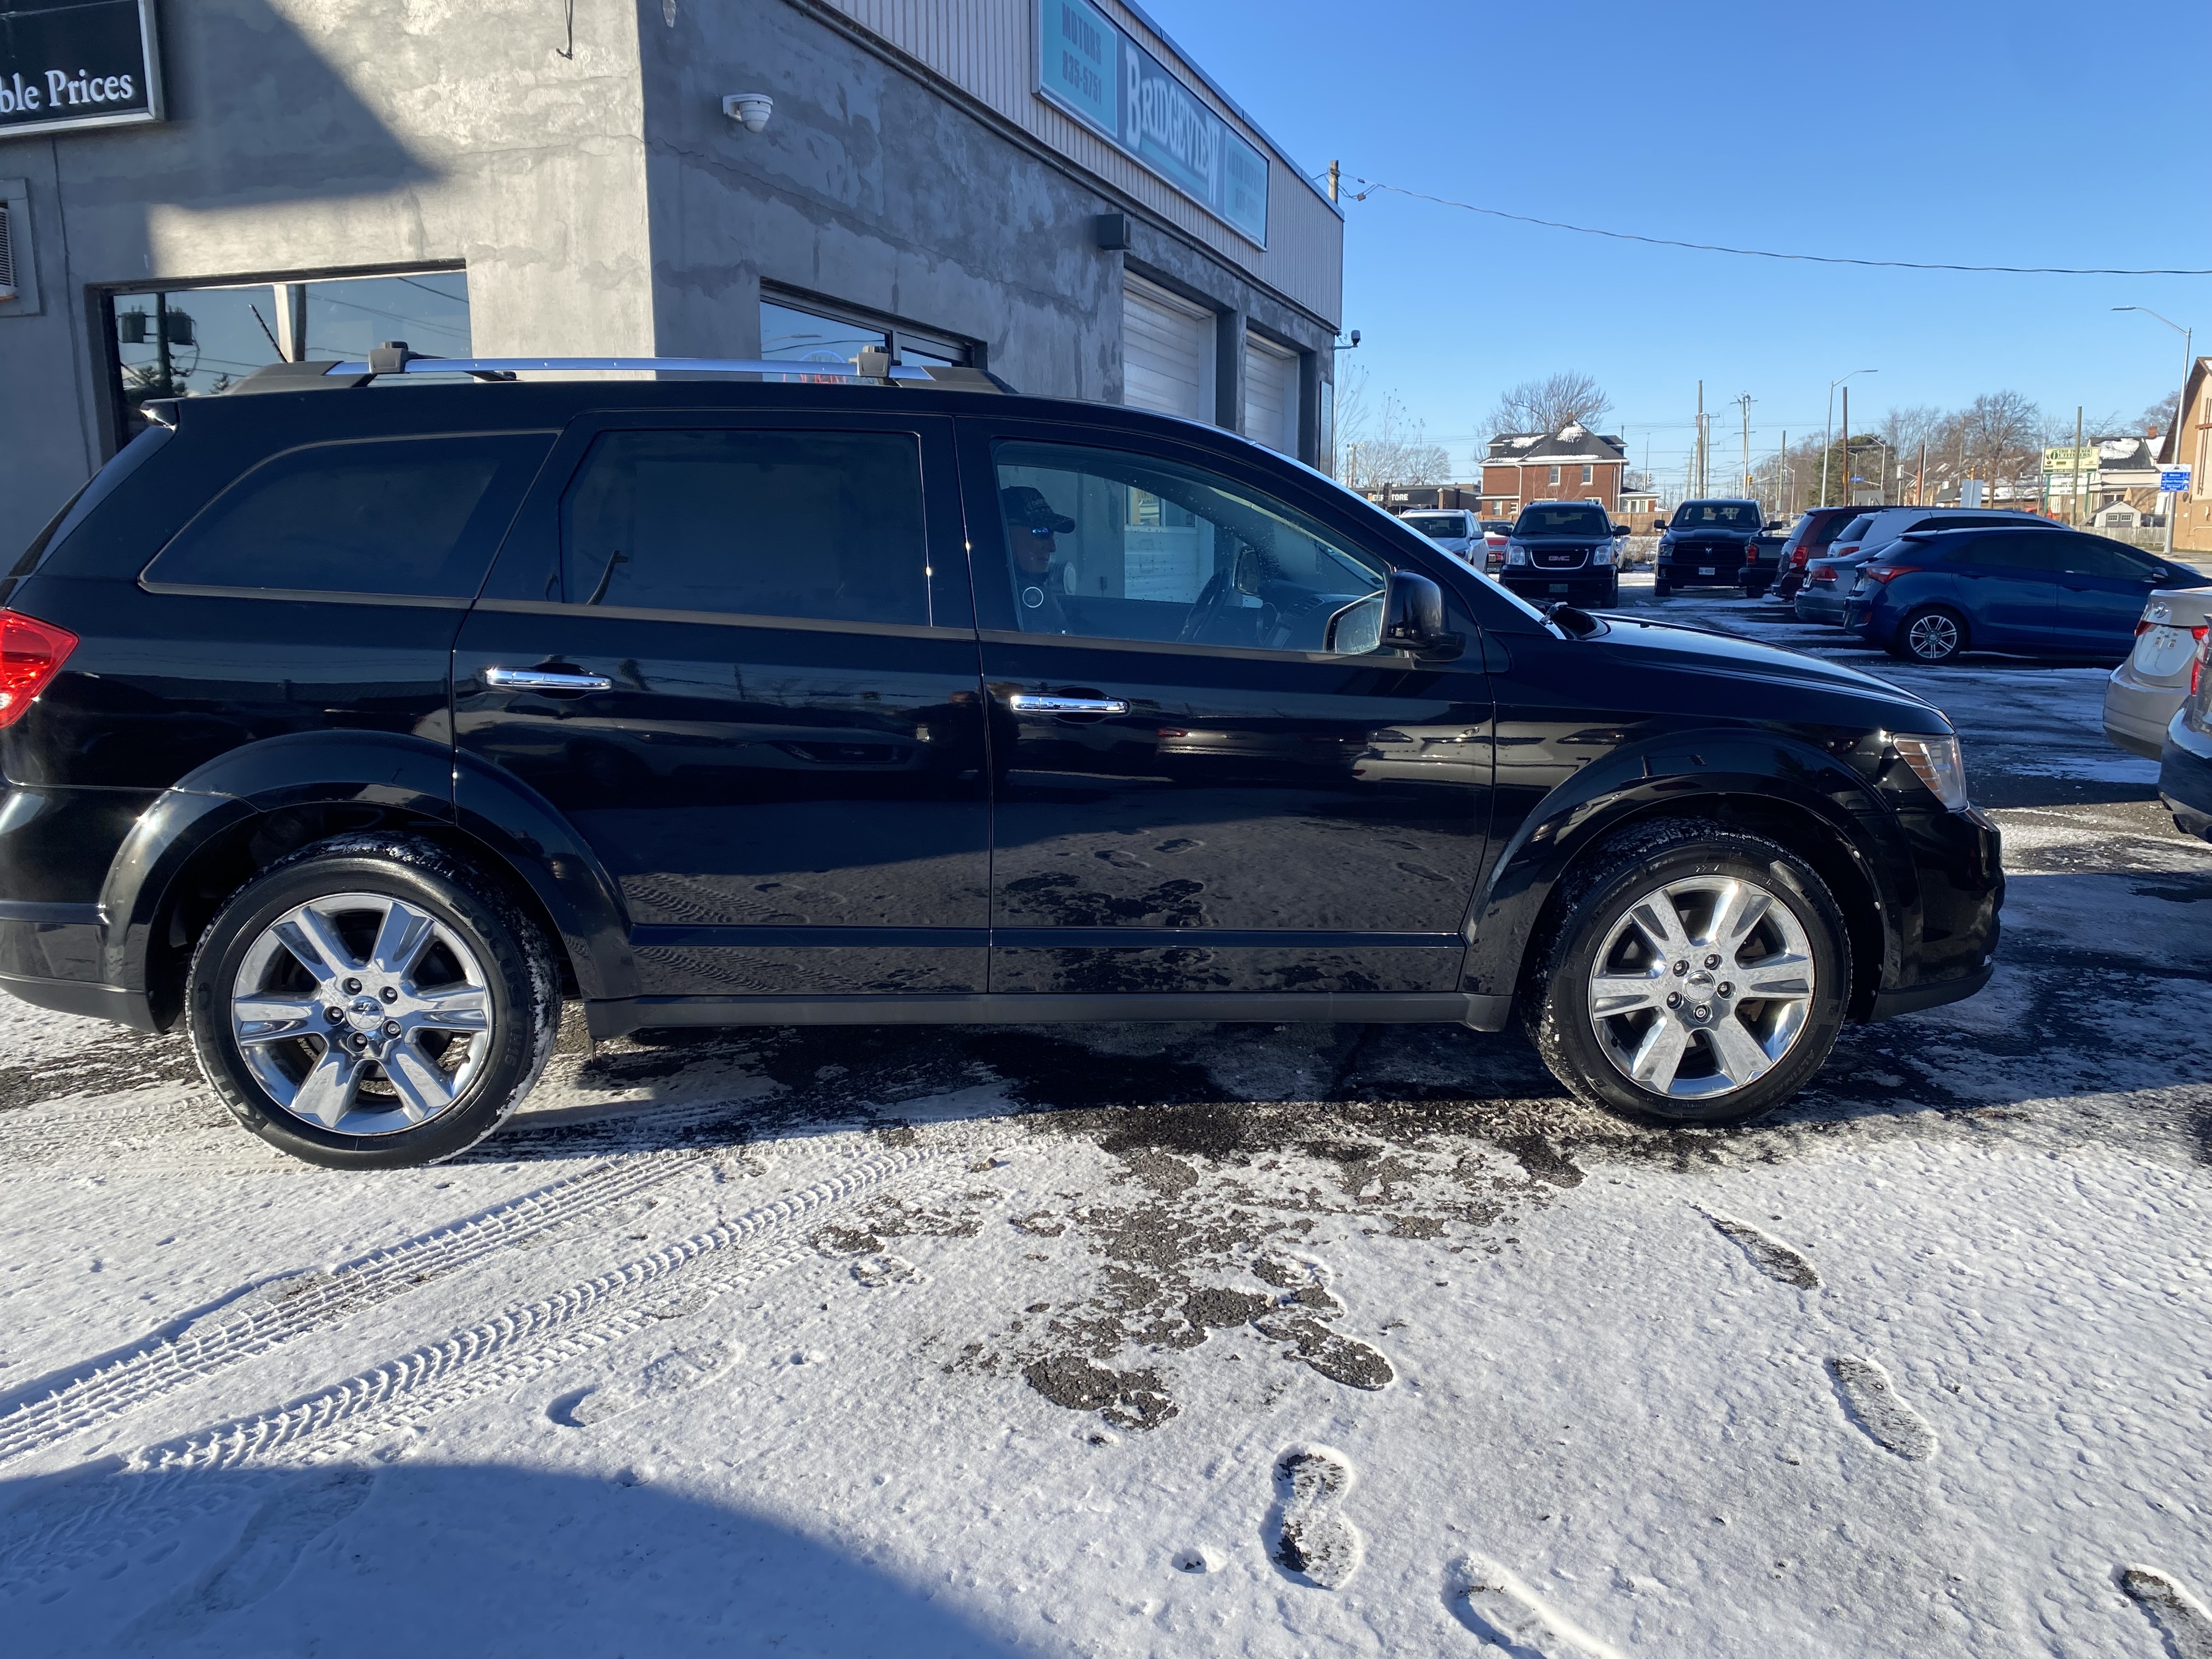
{"x": 1034, "y": 529}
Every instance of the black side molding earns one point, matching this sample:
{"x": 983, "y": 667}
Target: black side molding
{"x": 617, "y": 1016}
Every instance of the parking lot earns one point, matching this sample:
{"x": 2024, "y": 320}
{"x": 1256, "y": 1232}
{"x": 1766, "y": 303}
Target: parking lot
{"x": 1146, "y": 1339}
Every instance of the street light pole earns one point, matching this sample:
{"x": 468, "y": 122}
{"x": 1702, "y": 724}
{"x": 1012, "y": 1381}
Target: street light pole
{"x": 2174, "y": 427}
{"x": 1828, "y": 434}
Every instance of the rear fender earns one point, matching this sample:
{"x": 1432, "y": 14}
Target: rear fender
{"x": 1775, "y": 784}
{"x": 404, "y": 777}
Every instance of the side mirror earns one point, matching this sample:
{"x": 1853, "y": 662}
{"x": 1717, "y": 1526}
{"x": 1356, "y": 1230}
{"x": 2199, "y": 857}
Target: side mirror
{"x": 1774, "y": 524}
{"x": 1413, "y": 616}
{"x": 1620, "y": 530}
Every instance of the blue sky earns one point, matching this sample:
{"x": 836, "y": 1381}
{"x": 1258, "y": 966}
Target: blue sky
{"x": 1963, "y": 130}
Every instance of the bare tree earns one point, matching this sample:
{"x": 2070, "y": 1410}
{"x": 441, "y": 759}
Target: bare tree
{"x": 2160, "y": 415}
{"x": 1378, "y": 443}
{"x": 1547, "y": 404}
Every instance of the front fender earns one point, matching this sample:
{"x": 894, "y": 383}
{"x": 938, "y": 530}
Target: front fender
{"x": 1725, "y": 773}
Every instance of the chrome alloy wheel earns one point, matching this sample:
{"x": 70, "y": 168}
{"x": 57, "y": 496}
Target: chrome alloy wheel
{"x": 362, "y": 1014}
{"x": 1934, "y": 636}
{"x": 1702, "y": 986}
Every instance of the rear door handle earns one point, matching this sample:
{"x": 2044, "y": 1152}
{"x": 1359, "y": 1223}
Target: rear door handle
{"x": 1031, "y": 702}
{"x": 545, "y": 679}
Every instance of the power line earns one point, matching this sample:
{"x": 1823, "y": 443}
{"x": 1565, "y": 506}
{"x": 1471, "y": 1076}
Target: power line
{"x": 1764, "y": 253}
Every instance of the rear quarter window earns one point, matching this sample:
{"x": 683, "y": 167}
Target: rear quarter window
{"x": 417, "y": 517}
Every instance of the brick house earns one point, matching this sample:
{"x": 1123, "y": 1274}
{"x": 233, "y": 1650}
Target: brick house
{"x": 2188, "y": 442}
{"x": 1571, "y": 464}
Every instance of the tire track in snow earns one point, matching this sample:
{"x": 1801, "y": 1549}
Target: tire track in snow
{"x": 280, "y": 1311}
{"x": 154, "y": 1490}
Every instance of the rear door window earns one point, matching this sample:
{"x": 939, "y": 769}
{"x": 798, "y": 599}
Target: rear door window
{"x": 414, "y": 518}
{"x": 820, "y": 525}
{"x": 2093, "y": 556}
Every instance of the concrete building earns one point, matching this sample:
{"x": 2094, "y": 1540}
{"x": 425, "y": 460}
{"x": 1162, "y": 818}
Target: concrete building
{"x": 1047, "y": 188}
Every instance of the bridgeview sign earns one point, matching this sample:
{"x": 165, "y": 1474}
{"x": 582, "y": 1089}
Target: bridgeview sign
{"x": 68, "y": 63}
{"x": 1088, "y": 67}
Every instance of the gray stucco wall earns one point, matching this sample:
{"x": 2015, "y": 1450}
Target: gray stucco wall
{"x": 601, "y": 205}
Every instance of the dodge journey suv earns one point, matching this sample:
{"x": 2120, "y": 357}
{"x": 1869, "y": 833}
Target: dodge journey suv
{"x": 358, "y": 728}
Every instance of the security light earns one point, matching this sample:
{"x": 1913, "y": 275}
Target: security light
{"x": 752, "y": 109}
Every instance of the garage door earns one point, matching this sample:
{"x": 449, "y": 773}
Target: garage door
{"x": 1271, "y": 395}
{"x": 1166, "y": 352}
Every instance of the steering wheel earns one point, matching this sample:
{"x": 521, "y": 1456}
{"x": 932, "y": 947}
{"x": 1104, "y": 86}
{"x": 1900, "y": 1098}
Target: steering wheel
{"x": 1205, "y": 608}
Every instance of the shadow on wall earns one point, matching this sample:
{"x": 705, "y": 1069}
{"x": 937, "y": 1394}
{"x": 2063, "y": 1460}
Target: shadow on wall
{"x": 263, "y": 115}
{"x": 374, "y": 1561}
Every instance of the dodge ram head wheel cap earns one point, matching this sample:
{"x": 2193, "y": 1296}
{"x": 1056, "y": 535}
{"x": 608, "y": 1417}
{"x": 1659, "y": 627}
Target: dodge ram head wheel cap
{"x": 362, "y": 1014}
{"x": 1701, "y": 986}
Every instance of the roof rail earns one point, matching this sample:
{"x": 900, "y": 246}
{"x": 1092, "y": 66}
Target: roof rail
{"x": 394, "y": 358}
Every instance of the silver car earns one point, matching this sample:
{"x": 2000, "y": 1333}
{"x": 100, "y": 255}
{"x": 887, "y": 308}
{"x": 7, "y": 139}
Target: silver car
{"x": 1454, "y": 529}
{"x": 2145, "y": 690}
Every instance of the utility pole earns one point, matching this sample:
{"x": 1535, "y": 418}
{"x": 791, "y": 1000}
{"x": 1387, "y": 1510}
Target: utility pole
{"x": 1743, "y": 403}
{"x": 1847, "y": 445}
{"x": 162, "y": 345}
{"x": 1335, "y": 179}
{"x": 1698, "y": 454}
{"x": 1781, "y": 472}
{"x": 2073, "y": 516}
{"x": 1920, "y": 477}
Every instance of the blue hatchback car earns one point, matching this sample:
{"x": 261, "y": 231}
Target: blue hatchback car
{"x": 2036, "y": 592}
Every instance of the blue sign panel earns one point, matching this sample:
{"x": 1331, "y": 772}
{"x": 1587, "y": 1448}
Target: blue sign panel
{"x": 2175, "y": 481}
{"x": 1090, "y": 68}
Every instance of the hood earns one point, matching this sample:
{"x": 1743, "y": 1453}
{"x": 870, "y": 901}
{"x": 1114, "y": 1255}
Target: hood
{"x": 1761, "y": 680}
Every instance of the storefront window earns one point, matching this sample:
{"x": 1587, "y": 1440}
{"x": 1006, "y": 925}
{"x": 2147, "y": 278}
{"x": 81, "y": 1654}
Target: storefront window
{"x": 819, "y": 333}
{"x": 193, "y": 341}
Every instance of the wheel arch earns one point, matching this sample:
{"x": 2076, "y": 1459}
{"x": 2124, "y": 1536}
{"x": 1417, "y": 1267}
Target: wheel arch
{"x": 1825, "y": 814}
{"x": 216, "y": 828}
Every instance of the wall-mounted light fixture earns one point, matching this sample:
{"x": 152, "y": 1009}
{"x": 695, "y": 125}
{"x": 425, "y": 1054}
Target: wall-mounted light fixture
{"x": 751, "y": 109}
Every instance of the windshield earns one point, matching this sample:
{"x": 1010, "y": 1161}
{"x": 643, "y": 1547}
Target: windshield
{"x": 1718, "y": 516}
{"x": 1438, "y": 524}
{"x": 1575, "y": 521}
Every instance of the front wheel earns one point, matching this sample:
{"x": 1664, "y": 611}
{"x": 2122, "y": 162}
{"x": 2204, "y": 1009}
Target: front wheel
{"x": 1697, "y": 973}
{"x": 1661, "y": 588}
{"x": 372, "y": 1002}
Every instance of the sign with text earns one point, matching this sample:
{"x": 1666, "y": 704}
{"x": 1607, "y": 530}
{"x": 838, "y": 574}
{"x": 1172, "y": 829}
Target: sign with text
{"x": 66, "y": 63}
{"x": 1088, "y": 67}
{"x": 2174, "y": 481}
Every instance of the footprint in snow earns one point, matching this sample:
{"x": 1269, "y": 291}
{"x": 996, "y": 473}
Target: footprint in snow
{"x": 1769, "y": 1255}
{"x": 673, "y": 1373}
{"x": 1339, "y": 1357}
{"x": 1309, "y": 1539}
{"x": 2179, "y": 1616}
{"x": 270, "y": 1547}
{"x": 1876, "y": 1407}
{"x": 1508, "y": 1614}
{"x": 874, "y": 1271}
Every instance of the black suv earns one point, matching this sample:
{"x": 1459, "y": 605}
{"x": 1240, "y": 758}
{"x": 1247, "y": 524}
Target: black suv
{"x": 359, "y": 727}
{"x": 1563, "y": 552}
{"x": 1709, "y": 543}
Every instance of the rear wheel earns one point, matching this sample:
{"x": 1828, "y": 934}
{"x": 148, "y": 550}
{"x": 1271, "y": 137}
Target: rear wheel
{"x": 1932, "y": 634}
{"x": 1697, "y": 973}
{"x": 1661, "y": 588}
{"x": 372, "y": 1002}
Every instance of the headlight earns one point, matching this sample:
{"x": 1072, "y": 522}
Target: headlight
{"x": 1516, "y": 554}
{"x": 1936, "y": 763}
{"x": 1602, "y": 555}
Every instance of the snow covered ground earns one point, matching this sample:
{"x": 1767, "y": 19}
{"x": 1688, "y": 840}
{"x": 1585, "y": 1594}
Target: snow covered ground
{"x": 1173, "y": 1340}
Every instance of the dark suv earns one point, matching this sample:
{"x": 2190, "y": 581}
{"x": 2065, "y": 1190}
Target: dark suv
{"x": 358, "y": 728}
{"x": 1708, "y": 544}
{"x": 1563, "y": 552}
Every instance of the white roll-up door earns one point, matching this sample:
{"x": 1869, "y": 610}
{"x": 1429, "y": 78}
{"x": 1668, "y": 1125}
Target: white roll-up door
{"x": 1166, "y": 352}
{"x": 1271, "y": 395}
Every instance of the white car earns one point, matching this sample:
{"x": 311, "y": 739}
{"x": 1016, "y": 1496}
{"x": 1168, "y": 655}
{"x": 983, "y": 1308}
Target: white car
{"x": 1454, "y": 529}
{"x": 2145, "y": 690}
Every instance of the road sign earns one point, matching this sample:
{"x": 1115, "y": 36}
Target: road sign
{"x": 2174, "y": 480}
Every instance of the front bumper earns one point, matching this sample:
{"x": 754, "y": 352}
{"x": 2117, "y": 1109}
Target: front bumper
{"x": 1947, "y": 944}
{"x": 1541, "y": 587}
{"x": 2185, "y": 779}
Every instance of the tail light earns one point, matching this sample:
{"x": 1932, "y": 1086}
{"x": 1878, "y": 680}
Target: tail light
{"x": 1887, "y": 573}
{"x": 31, "y": 654}
{"x": 2196, "y": 662}
{"x": 1825, "y": 574}
{"x": 1798, "y": 556}
{"x": 1751, "y": 556}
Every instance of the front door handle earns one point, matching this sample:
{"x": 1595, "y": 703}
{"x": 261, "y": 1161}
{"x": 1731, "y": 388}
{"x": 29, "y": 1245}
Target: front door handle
{"x": 545, "y": 679}
{"x": 1031, "y": 702}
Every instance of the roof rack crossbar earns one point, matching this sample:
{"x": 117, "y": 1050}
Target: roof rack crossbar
{"x": 502, "y": 366}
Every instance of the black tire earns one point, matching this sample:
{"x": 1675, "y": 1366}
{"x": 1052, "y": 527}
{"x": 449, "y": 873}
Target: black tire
{"x": 520, "y": 987}
{"x": 1932, "y": 634}
{"x": 1661, "y": 588}
{"x": 1596, "y": 903}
